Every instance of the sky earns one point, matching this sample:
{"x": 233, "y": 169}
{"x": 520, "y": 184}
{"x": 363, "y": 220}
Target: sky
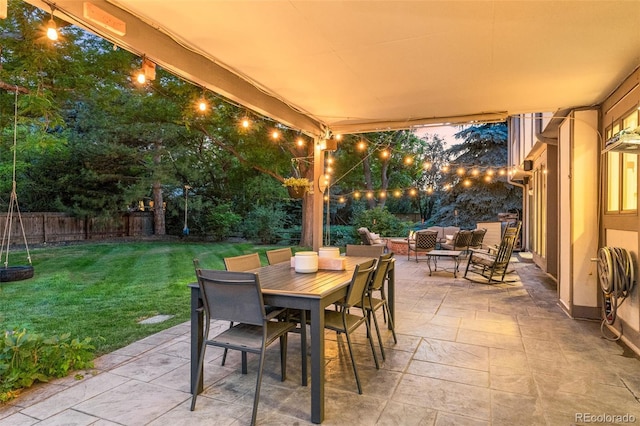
{"x": 445, "y": 132}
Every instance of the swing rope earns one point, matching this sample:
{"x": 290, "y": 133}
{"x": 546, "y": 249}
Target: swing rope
{"x": 13, "y": 200}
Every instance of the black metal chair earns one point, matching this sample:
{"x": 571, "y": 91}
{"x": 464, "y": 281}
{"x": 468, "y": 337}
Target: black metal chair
{"x": 346, "y": 320}
{"x": 237, "y": 297}
{"x": 372, "y": 304}
{"x": 495, "y": 261}
{"x": 424, "y": 242}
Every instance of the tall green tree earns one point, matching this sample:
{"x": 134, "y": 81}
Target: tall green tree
{"x": 477, "y": 190}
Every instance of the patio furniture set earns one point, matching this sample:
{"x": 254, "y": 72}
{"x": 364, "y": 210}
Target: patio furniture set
{"x": 264, "y": 304}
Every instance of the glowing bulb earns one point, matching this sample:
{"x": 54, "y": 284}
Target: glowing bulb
{"x": 329, "y": 169}
{"x": 362, "y": 145}
{"x": 427, "y": 165}
{"x": 338, "y": 137}
{"x": 397, "y": 193}
{"x": 445, "y": 169}
{"x": 467, "y": 183}
{"x": 408, "y": 161}
{"x": 460, "y": 171}
{"x": 245, "y": 123}
{"x": 140, "y": 78}
{"x": 490, "y": 172}
{"x": 475, "y": 172}
{"x": 330, "y": 160}
{"x": 369, "y": 195}
{"x": 383, "y": 194}
{"x": 356, "y": 195}
{"x": 429, "y": 190}
{"x": 413, "y": 192}
{"x": 300, "y": 142}
{"x": 501, "y": 172}
{"x": 341, "y": 200}
{"x": 202, "y": 105}
{"x": 447, "y": 187}
{"x": 487, "y": 178}
{"x": 275, "y": 134}
{"x": 384, "y": 153}
{"x": 52, "y": 30}
{"x": 326, "y": 198}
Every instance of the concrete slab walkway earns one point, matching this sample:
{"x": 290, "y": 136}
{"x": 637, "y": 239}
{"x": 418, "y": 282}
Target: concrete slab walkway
{"x": 467, "y": 354}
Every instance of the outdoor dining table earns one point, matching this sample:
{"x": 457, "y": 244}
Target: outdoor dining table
{"x": 284, "y": 287}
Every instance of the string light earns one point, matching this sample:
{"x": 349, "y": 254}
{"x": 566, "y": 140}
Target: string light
{"x": 460, "y": 171}
{"x": 408, "y": 160}
{"x": 202, "y": 103}
{"x": 362, "y": 145}
{"x": 245, "y": 123}
{"x": 275, "y": 134}
{"x": 384, "y": 153}
{"x": 52, "y": 29}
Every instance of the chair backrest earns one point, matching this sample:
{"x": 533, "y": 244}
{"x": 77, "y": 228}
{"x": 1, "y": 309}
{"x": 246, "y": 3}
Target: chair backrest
{"x": 450, "y": 230}
{"x": 380, "y": 274}
{"x": 364, "y": 251}
{"x": 426, "y": 240}
{"x": 242, "y": 263}
{"x": 477, "y": 237}
{"x": 364, "y": 236}
{"x": 462, "y": 239}
{"x": 503, "y": 255}
{"x": 279, "y": 255}
{"x": 232, "y": 296}
{"x": 359, "y": 282}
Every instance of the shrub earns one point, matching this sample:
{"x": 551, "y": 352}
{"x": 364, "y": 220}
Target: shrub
{"x": 220, "y": 220}
{"x": 263, "y": 224}
{"x": 28, "y": 357}
{"x": 380, "y": 221}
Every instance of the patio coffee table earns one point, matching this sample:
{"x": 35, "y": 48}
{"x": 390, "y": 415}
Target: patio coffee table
{"x": 435, "y": 254}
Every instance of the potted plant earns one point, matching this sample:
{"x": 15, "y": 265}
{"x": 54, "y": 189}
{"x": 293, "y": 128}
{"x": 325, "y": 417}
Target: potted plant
{"x": 297, "y": 187}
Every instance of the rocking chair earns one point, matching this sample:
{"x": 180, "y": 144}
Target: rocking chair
{"x": 496, "y": 261}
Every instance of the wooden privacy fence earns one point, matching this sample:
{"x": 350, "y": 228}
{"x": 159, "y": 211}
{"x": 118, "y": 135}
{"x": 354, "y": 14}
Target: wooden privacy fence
{"x": 42, "y": 228}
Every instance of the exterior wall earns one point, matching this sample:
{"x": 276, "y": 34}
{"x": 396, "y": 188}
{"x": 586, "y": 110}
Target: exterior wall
{"x": 622, "y": 229}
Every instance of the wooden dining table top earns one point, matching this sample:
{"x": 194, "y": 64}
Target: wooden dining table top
{"x": 282, "y": 279}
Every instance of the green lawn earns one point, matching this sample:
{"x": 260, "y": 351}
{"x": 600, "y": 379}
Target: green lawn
{"x": 102, "y": 290}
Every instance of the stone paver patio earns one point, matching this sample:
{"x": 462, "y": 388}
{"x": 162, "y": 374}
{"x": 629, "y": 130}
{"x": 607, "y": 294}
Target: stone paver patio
{"x": 467, "y": 354}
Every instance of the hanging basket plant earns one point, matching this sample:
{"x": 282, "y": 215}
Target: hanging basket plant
{"x": 297, "y": 187}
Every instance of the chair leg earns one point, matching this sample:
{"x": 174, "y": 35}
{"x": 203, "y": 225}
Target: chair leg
{"x": 256, "y": 397}
{"x": 199, "y": 375}
{"x": 393, "y": 327}
{"x": 375, "y": 357}
{"x": 244, "y": 363}
{"x": 224, "y": 354}
{"x": 353, "y": 362}
{"x": 375, "y": 322}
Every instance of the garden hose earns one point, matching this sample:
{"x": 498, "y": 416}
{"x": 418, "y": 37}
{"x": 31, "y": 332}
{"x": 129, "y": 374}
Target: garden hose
{"x": 617, "y": 277}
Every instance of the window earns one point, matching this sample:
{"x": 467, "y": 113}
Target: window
{"x": 622, "y": 171}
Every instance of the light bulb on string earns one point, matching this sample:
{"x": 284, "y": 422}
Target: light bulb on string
{"x": 413, "y": 192}
{"x": 429, "y": 190}
{"x": 202, "y": 103}
{"x": 487, "y": 178}
{"x": 300, "y": 142}
{"x": 384, "y": 153}
{"x": 475, "y": 172}
{"x": 445, "y": 168}
{"x": 427, "y": 165}
{"x": 369, "y": 195}
{"x": 408, "y": 160}
{"x": 460, "y": 171}
{"x": 275, "y": 135}
{"x": 356, "y": 195}
{"x": 52, "y": 29}
{"x": 397, "y": 193}
{"x": 341, "y": 200}
{"x": 467, "y": 183}
{"x": 245, "y": 123}
{"x": 490, "y": 172}
{"x": 362, "y": 145}
{"x": 383, "y": 194}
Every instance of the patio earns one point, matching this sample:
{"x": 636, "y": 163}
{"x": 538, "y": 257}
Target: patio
{"x": 467, "y": 354}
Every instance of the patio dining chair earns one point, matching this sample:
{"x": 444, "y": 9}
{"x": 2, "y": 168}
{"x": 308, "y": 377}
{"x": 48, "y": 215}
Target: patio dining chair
{"x": 279, "y": 255}
{"x": 363, "y": 251}
{"x": 424, "y": 242}
{"x": 346, "y": 320}
{"x": 242, "y": 263}
{"x": 237, "y": 297}
{"x": 373, "y": 304}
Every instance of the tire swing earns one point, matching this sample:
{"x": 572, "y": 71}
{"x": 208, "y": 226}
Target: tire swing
{"x": 14, "y": 273}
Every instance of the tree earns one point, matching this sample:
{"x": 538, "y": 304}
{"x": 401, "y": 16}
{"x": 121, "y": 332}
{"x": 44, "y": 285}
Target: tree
{"x": 477, "y": 190}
